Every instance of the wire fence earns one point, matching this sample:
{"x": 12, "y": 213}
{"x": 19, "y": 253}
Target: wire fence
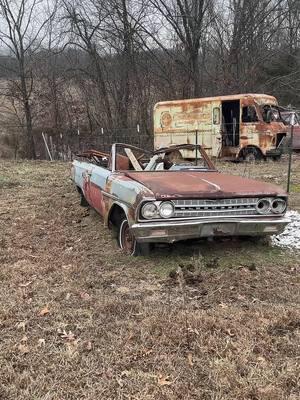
{"x": 65, "y": 146}
{"x": 218, "y": 143}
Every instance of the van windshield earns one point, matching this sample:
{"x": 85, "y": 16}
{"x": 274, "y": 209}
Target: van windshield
{"x": 271, "y": 113}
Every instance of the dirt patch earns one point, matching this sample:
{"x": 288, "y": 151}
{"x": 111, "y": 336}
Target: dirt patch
{"x": 79, "y": 320}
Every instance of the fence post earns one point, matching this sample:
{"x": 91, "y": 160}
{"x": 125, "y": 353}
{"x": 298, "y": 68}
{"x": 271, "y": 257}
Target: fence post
{"x": 290, "y": 159}
{"x": 196, "y": 147}
{"x": 47, "y": 148}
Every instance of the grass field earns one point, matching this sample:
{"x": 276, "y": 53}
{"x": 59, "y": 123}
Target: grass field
{"x": 79, "y": 320}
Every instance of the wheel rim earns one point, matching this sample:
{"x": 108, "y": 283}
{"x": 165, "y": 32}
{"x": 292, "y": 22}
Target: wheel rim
{"x": 127, "y": 240}
{"x": 250, "y": 157}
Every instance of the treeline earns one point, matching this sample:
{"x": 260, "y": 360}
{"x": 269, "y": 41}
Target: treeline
{"x": 102, "y": 64}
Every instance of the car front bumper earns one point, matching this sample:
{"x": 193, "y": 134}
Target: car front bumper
{"x": 172, "y": 231}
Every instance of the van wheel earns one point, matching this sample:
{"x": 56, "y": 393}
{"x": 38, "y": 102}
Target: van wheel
{"x": 128, "y": 243}
{"x": 276, "y": 158}
{"x": 252, "y": 154}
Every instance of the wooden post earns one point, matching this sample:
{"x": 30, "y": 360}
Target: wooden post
{"x": 290, "y": 160}
{"x": 47, "y": 148}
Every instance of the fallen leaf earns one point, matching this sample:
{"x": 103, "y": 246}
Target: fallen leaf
{"x": 89, "y": 346}
{"x": 120, "y": 382}
{"x": 123, "y": 290}
{"x": 25, "y": 284}
{"x": 21, "y": 325}
{"x": 261, "y": 359}
{"x": 44, "y": 311}
{"x": 24, "y": 339}
{"x": 163, "y": 380}
{"x": 64, "y": 335}
{"x": 71, "y": 347}
{"x": 147, "y": 352}
{"x": 230, "y": 333}
{"x": 190, "y": 359}
{"x": 195, "y": 331}
{"x": 84, "y": 296}
{"x": 41, "y": 342}
{"x": 67, "y": 266}
{"x": 23, "y": 348}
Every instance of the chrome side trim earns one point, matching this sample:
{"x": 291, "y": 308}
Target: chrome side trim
{"x": 113, "y": 197}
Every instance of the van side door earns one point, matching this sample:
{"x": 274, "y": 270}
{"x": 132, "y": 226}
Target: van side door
{"x": 216, "y": 129}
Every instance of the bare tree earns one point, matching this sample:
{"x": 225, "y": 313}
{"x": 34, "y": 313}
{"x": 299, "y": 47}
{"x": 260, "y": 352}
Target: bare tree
{"x": 86, "y": 25}
{"x": 23, "y": 28}
{"x": 187, "y": 18}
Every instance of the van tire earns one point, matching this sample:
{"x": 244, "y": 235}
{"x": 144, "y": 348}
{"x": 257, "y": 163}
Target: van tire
{"x": 252, "y": 154}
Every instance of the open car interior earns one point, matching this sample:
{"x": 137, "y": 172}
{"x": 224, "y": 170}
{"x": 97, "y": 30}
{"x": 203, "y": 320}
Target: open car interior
{"x": 131, "y": 158}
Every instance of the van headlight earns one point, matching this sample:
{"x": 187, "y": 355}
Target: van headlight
{"x": 149, "y": 210}
{"x": 166, "y": 209}
{"x": 278, "y": 206}
{"x": 263, "y": 206}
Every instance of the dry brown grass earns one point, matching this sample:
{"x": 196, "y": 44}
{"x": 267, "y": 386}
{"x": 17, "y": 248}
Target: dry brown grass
{"x": 79, "y": 320}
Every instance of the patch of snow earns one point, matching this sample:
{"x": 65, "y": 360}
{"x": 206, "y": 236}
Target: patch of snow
{"x": 290, "y": 237}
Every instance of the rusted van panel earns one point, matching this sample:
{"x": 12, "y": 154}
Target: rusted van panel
{"x": 220, "y": 123}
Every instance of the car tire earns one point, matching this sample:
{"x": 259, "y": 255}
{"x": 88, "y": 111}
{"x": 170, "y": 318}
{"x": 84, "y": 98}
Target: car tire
{"x": 128, "y": 243}
{"x": 83, "y": 201}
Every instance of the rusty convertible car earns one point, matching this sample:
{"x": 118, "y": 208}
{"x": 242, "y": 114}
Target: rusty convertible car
{"x": 173, "y": 194}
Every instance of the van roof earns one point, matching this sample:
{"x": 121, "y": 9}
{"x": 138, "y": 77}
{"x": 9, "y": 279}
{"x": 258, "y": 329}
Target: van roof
{"x": 220, "y": 98}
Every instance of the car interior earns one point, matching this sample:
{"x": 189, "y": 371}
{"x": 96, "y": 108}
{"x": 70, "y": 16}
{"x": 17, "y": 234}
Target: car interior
{"x": 130, "y": 158}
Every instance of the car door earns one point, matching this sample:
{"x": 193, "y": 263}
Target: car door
{"x": 95, "y": 179}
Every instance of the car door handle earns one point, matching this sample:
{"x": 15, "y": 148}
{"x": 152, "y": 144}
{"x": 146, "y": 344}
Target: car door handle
{"x": 86, "y": 174}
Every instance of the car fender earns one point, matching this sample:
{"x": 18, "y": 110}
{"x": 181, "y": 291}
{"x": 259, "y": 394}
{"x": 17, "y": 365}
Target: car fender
{"x": 129, "y": 212}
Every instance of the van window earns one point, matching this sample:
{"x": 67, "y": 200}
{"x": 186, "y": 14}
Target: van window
{"x": 249, "y": 114}
{"x": 216, "y": 116}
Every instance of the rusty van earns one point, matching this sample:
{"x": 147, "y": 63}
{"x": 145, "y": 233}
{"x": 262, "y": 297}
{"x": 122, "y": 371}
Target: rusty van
{"x": 237, "y": 127}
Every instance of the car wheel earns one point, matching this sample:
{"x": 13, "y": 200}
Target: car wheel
{"x": 128, "y": 243}
{"x": 83, "y": 201}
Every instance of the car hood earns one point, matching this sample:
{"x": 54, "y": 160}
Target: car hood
{"x": 195, "y": 184}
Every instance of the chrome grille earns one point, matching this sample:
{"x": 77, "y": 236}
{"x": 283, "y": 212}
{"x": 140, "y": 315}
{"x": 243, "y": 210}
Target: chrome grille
{"x": 214, "y": 208}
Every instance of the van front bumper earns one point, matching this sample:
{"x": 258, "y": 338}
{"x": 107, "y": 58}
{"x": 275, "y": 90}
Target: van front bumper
{"x": 172, "y": 231}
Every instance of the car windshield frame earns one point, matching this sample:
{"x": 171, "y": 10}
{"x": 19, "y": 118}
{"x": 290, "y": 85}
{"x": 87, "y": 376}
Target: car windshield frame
{"x": 153, "y": 155}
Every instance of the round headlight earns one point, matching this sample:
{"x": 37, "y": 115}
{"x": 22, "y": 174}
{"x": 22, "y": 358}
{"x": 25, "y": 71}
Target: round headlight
{"x": 149, "y": 210}
{"x": 166, "y": 209}
{"x": 278, "y": 206}
{"x": 263, "y": 206}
